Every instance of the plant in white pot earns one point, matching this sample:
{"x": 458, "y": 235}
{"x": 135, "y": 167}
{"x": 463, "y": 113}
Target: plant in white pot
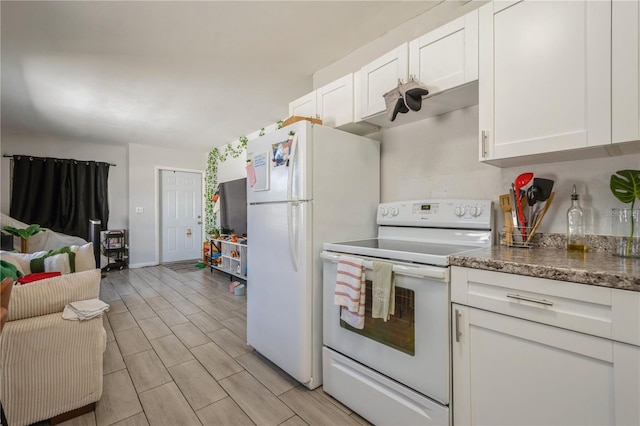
{"x": 625, "y": 186}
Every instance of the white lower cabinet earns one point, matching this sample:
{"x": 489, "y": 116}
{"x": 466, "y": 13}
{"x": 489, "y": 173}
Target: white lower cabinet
{"x": 515, "y": 371}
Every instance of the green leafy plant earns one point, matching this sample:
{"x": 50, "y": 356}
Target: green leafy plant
{"x": 215, "y": 157}
{"x": 24, "y": 234}
{"x": 625, "y": 186}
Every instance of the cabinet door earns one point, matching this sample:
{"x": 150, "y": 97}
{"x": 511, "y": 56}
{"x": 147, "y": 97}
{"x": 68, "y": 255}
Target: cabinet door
{"x": 512, "y": 371}
{"x": 448, "y": 56}
{"x": 625, "y": 82}
{"x": 335, "y": 102}
{"x": 380, "y": 76}
{"x": 304, "y": 106}
{"x": 544, "y": 77}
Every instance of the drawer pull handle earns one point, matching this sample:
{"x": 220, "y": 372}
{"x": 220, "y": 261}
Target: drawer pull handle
{"x": 458, "y": 334}
{"x": 530, "y": 299}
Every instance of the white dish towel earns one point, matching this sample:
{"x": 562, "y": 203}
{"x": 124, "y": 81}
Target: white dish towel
{"x": 84, "y": 309}
{"x": 350, "y": 291}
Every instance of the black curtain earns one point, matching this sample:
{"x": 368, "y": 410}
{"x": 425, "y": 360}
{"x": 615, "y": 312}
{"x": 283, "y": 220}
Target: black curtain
{"x": 60, "y": 194}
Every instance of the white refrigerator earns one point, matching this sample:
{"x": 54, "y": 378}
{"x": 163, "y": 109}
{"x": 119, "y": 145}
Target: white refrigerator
{"x": 306, "y": 185}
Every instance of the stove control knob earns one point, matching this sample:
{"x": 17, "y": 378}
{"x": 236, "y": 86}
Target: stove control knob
{"x": 476, "y": 211}
{"x": 384, "y": 211}
{"x": 394, "y": 211}
{"x": 459, "y": 211}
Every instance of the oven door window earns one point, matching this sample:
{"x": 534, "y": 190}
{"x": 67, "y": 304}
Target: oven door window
{"x": 399, "y": 331}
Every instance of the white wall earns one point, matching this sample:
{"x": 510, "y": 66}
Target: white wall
{"x": 49, "y": 146}
{"x": 145, "y": 163}
{"x": 438, "y": 158}
{"x": 232, "y": 168}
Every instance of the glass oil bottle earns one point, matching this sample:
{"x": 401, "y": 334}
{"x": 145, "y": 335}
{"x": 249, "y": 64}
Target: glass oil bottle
{"x": 576, "y": 235}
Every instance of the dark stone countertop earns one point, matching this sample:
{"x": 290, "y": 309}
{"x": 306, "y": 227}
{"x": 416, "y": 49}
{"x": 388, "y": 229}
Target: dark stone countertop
{"x": 599, "y": 268}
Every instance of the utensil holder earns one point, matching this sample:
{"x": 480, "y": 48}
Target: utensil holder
{"x": 516, "y": 238}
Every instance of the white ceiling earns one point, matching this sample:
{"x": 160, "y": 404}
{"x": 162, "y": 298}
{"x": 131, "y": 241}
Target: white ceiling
{"x": 173, "y": 74}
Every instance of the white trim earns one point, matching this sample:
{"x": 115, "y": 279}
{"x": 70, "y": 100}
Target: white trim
{"x": 142, "y": 265}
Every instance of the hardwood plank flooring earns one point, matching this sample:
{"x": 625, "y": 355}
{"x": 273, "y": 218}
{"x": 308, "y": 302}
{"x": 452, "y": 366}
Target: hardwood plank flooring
{"x": 177, "y": 354}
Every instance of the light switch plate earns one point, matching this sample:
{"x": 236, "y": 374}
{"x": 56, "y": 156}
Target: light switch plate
{"x": 139, "y": 210}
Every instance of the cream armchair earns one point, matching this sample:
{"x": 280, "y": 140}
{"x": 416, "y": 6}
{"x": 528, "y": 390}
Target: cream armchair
{"x": 50, "y": 366}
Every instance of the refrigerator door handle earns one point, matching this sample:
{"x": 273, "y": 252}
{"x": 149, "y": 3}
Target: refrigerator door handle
{"x": 292, "y": 236}
{"x": 294, "y": 147}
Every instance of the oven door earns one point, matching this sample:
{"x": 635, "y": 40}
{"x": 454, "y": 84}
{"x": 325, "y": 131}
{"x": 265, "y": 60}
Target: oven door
{"x": 413, "y": 346}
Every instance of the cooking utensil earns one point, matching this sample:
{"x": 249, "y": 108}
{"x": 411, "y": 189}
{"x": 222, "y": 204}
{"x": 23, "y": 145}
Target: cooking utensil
{"x": 533, "y": 193}
{"x": 539, "y": 220}
{"x": 540, "y": 189}
{"x": 505, "y": 205}
{"x": 521, "y": 181}
{"x": 525, "y": 225}
{"x": 514, "y": 215}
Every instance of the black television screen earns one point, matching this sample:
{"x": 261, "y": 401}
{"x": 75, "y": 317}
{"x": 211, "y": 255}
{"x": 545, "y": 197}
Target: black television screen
{"x": 233, "y": 206}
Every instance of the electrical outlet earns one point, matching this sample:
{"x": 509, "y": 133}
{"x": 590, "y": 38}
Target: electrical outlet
{"x": 139, "y": 210}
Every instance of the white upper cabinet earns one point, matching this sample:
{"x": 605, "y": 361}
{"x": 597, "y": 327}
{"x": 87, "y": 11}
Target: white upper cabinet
{"x": 625, "y": 71}
{"x": 544, "y": 77}
{"x": 305, "y": 106}
{"x": 445, "y": 60}
{"x": 380, "y": 76}
{"x": 335, "y": 102}
{"x": 448, "y": 56}
{"x": 335, "y": 105}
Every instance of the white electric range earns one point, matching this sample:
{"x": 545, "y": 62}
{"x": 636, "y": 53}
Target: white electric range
{"x": 398, "y": 371}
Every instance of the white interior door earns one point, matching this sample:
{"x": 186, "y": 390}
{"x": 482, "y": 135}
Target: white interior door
{"x": 181, "y": 216}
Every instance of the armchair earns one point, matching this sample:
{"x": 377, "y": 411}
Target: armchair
{"x": 50, "y": 366}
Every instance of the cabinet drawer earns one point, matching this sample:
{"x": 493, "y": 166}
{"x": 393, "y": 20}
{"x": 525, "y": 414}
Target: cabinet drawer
{"x": 583, "y": 308}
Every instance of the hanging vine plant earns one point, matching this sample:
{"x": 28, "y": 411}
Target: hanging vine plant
{"x": 215, "y": 157}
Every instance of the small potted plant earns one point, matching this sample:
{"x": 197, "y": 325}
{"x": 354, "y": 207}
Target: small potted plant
{"x": 24, "y": 234}
{"x": 625, "y": 186}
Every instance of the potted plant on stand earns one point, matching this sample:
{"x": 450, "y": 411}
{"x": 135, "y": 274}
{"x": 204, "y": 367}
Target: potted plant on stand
{"x": 625, "y": 186}
{"x": 24, "y": 234}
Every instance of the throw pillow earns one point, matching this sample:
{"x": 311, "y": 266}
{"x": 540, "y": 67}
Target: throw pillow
{"x": 15, "y": 259}
{"x": 37, "y": 277}
{"x": 9, "y": 270}
{"x": 60, "y": 260}
{"x": 85, "y": 259}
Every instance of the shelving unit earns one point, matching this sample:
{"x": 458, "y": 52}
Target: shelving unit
{"x": 115, "y": 248}
{"x": 233, "y": 255}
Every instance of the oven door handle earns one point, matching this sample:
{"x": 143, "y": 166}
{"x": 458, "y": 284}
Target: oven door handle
{"x": 432, "y": 272}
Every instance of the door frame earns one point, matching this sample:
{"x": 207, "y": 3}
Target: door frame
{"x": 158, "y": 203}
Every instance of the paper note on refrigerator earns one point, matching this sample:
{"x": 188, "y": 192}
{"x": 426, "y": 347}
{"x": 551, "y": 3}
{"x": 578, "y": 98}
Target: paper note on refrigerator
{"x": 260, "y": 167}
{"x": 251, "y": 174}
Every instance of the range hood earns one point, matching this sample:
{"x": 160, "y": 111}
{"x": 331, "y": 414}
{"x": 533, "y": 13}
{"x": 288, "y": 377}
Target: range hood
{"x": 458, "y": 97}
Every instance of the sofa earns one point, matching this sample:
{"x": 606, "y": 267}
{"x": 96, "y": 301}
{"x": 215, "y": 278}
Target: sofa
{"x": 50, "y": 366}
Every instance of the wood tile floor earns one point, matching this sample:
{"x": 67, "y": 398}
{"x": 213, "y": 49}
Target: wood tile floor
{"x": 177, "y": 355}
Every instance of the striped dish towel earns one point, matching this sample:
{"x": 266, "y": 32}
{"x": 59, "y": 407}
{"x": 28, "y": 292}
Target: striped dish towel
{"x": 350, "y": 291}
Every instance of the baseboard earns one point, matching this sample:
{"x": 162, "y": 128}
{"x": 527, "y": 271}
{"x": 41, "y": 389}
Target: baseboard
{"x": 142, "y": 265}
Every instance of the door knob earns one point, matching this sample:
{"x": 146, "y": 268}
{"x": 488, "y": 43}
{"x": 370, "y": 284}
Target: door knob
{"x": 199, "y": 223}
